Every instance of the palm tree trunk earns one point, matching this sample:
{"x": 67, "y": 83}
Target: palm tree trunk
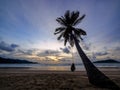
{"x": 95, "y": 76}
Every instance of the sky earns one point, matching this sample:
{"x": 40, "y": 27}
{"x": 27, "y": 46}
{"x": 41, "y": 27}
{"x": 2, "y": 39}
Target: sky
{"x": 27, "y": 27}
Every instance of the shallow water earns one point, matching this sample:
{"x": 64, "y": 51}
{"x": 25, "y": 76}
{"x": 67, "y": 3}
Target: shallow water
{"x": 56, "y": 67}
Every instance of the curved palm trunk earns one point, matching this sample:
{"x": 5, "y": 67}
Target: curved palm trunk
{"x": 95, "y": 76}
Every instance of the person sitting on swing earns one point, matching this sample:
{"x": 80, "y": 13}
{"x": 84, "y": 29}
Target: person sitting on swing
{"x": 73, "y": 67}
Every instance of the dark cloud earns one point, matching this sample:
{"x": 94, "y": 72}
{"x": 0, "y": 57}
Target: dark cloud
{"x": 7, "y": 47}
{"x": 65, "y": 50}
{"x": 14, "y": 45}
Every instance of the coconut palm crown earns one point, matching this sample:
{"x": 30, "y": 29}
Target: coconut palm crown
{"x": 67, "y": 29}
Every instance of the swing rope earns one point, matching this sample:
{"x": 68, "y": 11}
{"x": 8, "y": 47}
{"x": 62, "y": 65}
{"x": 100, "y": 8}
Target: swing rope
{"x": 73, "y": 65}
{"x": 72, "y": 56}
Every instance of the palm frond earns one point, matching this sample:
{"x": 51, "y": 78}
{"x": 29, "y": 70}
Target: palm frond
{"x": 78, "y": 20}
{"x": 78, "y": 32}
{"x": 65, "y": 41}
{"x": 60, "y": 36}
{"x": 61, "y": 20}
{"x": 59, "y": 29}
{"x": 67, "y": 16}
{"x": 74, "y": 16}
{"x": 82, "y": 32}
{"x": 78, "y": 37}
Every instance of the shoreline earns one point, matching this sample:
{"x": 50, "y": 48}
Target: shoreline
{"x": 2, "y": 69}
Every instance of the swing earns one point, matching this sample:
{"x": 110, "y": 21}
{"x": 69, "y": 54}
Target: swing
{"x": 72, "y": 65}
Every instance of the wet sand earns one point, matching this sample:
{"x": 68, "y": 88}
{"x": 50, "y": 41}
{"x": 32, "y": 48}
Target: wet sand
{"x": 27, "y": 79}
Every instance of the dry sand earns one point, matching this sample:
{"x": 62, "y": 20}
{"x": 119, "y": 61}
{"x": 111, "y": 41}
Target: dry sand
{"x": 25, "y": 79}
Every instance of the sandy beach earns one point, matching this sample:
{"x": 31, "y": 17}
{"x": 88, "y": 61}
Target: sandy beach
{"x": 26, "y": 79}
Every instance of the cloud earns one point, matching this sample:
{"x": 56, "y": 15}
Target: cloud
{"x": 25, "y": 52}
{"x": 86, "y": 46}
{"x": 48, "y": 53}
{"x": 117, "y": 49}
{"x": 8, "y": 47}
{"x": 115, "y": 52}
{"x": 65, "y": 50}
{"x": 101, "y": 53}
{"x": 111, "y": 52}
{"x": 14, "y": 45}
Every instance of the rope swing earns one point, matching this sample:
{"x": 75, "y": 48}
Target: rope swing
{"x": 72, "y": 65}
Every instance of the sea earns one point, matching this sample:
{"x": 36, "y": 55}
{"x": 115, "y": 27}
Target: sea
{"x": 57, "y": 67}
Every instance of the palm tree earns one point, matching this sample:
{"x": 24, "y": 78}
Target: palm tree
{"x": 71, "y": 34}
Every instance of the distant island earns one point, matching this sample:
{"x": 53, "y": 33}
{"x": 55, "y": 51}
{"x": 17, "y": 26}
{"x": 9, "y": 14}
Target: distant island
{"x": 107, "y": 61}
{"x": 14, "y": 61}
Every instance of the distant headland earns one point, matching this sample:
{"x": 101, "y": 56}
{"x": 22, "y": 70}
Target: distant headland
{"x": 14, "y": 61}
{"x": 107, "y": 61}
